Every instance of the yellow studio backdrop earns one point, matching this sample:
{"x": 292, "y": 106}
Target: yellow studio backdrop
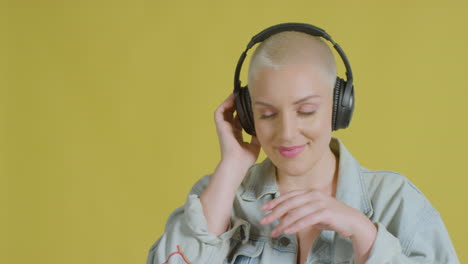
{"x": 106, "y": 111}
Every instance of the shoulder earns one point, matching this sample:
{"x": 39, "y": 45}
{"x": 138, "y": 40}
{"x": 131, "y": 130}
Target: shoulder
{"x": 392, "y": 180}
{"x": 384, "y": 184}
{"x": 393, "y": 187}
{"x": 396, "y": 202}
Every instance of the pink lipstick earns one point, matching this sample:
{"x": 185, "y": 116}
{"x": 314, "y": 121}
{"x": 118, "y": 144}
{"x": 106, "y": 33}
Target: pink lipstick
{"x": 291, "y": 152}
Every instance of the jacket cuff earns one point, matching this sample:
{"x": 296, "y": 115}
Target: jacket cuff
{"x": 196, "y": 221}
{"x": 385, "y": 246}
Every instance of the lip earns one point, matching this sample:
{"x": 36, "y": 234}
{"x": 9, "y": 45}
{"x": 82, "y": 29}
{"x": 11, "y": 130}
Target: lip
{"x": 291, "y": 152}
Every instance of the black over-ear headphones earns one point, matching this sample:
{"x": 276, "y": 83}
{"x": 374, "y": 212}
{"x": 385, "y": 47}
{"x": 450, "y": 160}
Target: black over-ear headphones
{"x": 343, "y": 96}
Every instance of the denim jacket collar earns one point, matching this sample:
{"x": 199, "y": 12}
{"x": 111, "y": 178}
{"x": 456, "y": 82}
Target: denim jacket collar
{"x": 351, "y": 188}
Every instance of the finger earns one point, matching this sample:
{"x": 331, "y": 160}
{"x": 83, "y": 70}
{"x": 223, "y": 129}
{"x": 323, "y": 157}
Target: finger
{"x": 284, "y": 207}
{"x": 229, "y": 103}
{"x": 293, "y": 215}
{"x": 316, "y": 218}
{"x": 228, "y": 114}
{"x": 226, "y": 109}
{"x": 271, "y": 204}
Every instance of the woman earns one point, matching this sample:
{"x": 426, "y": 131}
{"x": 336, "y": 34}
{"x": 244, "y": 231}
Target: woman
{"x": 309, "y": 201}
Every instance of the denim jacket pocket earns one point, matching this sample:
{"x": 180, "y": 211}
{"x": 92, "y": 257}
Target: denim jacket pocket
{"x": 246, "y": 253}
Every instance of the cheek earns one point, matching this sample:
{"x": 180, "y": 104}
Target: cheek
{"x": 314, "y": 125}
{"x": 321, "y": 122}
{"x": 265, "y": 133}
{"x": 262, "y": 133}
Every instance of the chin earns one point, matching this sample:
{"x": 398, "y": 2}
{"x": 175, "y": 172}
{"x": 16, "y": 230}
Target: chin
{"x": 296, "y": 166}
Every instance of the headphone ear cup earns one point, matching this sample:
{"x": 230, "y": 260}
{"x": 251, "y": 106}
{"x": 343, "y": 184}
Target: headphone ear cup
{"x": 239, "y": 107}
{"x": 244, "y": 110}
{"x": 348, "y": 109}
{"x": 247, "y": 103}
{"x": 336, "y": 102}
{"x": 342, "y": 107}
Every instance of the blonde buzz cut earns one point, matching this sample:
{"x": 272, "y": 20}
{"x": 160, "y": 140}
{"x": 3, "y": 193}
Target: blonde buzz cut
{"x": 290, "y": 47}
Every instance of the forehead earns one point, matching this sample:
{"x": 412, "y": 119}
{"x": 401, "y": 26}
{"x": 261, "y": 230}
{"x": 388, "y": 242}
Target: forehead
{"x": 290, "y": 79}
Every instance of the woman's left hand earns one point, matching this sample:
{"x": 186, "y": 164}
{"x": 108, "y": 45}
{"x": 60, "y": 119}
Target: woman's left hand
{"x": 301, "y": 209}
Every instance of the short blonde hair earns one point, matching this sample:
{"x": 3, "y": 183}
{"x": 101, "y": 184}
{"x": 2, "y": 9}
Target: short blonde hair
{"x": 292, "y": 47}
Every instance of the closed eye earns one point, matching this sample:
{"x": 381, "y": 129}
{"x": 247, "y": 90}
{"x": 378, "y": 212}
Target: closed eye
{"x": 266, "y": 116}
{"x": 301, "y": 113}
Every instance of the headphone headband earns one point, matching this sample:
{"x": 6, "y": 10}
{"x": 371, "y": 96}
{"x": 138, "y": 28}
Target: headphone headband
{"x": 306, "y": 28}
{"x": 301, "y": 27}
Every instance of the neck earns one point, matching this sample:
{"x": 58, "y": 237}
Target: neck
{"x": 323, "y": 177}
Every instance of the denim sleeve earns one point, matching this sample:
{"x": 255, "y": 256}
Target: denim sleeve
{"x": 186, "y": 238}
{"x": 430, "y": 243}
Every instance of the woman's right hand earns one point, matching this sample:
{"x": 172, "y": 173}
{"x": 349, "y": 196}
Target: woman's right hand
{"x": 234, "y": 150}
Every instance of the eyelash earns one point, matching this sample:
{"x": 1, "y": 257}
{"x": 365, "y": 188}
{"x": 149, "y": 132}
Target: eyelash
{"x": 302, "y": 113}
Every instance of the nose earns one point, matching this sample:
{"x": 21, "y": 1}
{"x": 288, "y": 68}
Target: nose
{"x": 288, "y": 128}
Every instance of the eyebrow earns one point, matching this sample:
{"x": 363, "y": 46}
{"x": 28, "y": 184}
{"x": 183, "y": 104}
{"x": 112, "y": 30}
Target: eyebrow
{"x": 297, "y": 102}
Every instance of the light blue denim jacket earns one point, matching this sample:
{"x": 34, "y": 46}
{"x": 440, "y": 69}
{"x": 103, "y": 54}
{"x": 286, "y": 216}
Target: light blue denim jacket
{"x": 409, "y": 228}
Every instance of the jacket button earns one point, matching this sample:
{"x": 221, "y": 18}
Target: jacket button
{"x": 284, "y": 241}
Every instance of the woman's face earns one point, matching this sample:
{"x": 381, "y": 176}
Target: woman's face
{"x": 292, "y": 106}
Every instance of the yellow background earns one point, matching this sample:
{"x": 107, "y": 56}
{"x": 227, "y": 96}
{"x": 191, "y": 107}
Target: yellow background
{"x": 106, "y": 111}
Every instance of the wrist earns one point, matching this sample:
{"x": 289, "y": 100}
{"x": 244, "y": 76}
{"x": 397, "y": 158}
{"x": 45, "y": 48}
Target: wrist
{"x": 234, "y": 166}
{"x": 365, "y": 230}
{"x": 363, "y": 239}
{"x": 228, "y": 176}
